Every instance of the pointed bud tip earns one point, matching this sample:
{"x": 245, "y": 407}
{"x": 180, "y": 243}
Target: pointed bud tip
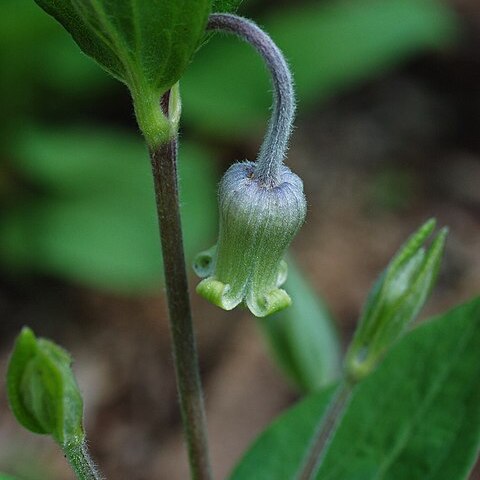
{"x": 397, "y": 298}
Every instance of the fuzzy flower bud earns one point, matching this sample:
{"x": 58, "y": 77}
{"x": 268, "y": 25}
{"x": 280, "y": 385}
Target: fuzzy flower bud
{"x": 257, "y": 224}
{"x": 42, "y": 389}
{"x": 261, "y": 203}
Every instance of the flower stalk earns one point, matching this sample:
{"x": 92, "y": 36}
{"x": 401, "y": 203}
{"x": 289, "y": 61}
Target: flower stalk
{"x": 275, "y": 144}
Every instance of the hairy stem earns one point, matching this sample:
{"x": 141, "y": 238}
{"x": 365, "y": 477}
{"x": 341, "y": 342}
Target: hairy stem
{"x": 164, "y": 166}
{"x": 80, "y": 461}
{"x": 325, "y": 431}
{"x": 274, "y": 147}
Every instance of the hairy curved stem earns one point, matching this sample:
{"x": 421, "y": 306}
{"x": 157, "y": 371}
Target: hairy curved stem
{"x": 325, "y": 431}
{"x": 274, "y": 147}
{"x": 164, "y": 167}
{"x": 80, "y": 461}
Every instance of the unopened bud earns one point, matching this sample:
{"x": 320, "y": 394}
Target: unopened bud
{"x": 42, "y": 390}
{"x": 257, "y": 223}
{"x": 395, "y": 300}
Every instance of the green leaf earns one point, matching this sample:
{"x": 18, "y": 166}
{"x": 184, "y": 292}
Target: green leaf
{"x": 42, "y": 390}
{"x": 279, "y": 450}
{"x": 225, "y": 5}
{"x": 302, "y": 338}
{"x": 330, "y": 46}
{"x": 147, "y": 44}
{"x": 416, "y": 417}
{"x": 6, "y": 477}
{"x": 94, "y": 220}
{"x": 146, "y": 41}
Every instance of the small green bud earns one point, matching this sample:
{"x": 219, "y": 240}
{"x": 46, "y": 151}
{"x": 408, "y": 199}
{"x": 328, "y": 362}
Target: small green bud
{"x": 257, "y": 223}
{"x": 395, "y": 300}
{"x": 42, "y": 390}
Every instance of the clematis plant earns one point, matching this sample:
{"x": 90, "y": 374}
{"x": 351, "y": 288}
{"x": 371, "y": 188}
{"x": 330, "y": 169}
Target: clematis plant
{"x": 147, "y": 45}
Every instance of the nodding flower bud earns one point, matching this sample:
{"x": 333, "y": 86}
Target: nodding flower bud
{"x": 261, "y": 203}
{"x": 257, "y": 224}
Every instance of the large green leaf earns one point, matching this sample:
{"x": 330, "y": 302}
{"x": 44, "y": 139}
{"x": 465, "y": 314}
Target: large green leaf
{"x": 225, "y": 5}
{"x": 416, "y": 417}
{"x": 302, "y": 337}
{"x": 94, "y": 220}
{"x": 138, "y": 41}
{"x": 330, "y": 46}
{"x": 279, "y": 451}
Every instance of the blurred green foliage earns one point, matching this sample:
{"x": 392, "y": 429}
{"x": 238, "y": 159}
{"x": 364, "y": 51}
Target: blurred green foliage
{"x": 36, "y": 56}
{"x": 59, "y": 213}
{"x": 330, "y": 46}
{"x": 93, "y": 218}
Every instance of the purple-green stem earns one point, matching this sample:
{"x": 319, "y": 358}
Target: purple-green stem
{"x": 164, "y": 168}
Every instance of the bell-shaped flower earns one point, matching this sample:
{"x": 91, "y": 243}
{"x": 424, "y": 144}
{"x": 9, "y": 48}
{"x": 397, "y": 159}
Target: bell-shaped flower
{"x": 257, "y": 223}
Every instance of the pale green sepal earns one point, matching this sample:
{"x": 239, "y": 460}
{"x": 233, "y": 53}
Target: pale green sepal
{"x": 269, "y": 303}
{"x": 217, "y": 293}
{"x": 204, "y": 261}
{"x": 222, "y": 295}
